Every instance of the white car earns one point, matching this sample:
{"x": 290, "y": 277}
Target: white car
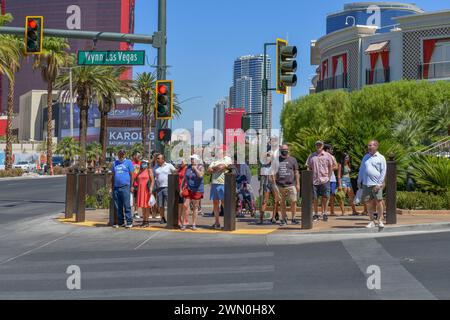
{"x": 25, "y": 166}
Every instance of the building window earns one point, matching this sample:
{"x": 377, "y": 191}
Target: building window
{"x": 379, "y": 71}
{"x": 436, "y": 59}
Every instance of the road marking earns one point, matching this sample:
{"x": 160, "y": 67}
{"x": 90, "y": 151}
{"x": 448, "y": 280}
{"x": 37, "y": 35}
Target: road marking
{"x": 34, "y": 249}
{"x": 147, "y": 240}
{"x": 140, "y": 273}
{"x": 140, "y": 292}
{"x": 153, "y": 258}
{"x": 396, "y": 281}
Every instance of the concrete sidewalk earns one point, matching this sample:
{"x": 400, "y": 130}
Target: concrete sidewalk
{"x": 248, "y": 225}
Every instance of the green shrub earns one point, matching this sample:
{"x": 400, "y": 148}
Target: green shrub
{"x": 103, "y": 198}
{"x": 11, "y": 173}
{"x": 423, "y": 201}
{"x": 431, "y": 173}
{"x": 91, "y": 202}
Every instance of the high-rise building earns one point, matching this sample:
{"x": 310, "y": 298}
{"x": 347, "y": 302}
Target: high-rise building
{"x": 219, "y": 113}
{"x": 89, "y": 15}
{"x": 246, "y": 91}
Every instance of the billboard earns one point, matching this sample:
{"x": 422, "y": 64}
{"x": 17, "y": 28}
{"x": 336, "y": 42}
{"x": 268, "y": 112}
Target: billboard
{"x": 232, "y": 121}
{"x": 127, "y": 136}
{"x": 93, "y": 131}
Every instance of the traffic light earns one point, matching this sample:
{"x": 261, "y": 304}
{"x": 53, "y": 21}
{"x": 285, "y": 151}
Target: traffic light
{"x": 34, "y": 28}
{"x": 286, "y": 66}
{"x": 164, "y": 99}
{"x": 164, "y": 135}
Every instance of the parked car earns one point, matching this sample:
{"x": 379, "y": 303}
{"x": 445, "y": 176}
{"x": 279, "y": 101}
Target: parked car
{"x": 58, "y": 161}
{"x": 26, "y": 166}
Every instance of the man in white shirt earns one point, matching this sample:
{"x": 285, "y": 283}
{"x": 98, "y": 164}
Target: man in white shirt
{"x": 371, "y": 178}
{"x": 161, "y": 173}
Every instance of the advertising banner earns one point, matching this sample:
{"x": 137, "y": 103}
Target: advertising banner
{"x": 127, "y": 136}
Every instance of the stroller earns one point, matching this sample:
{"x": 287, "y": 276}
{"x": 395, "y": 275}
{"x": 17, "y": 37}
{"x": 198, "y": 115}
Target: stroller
{"x": 245, "y": 200}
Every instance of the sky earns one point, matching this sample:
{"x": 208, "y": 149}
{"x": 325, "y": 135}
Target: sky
{"x": 204, "y": 37}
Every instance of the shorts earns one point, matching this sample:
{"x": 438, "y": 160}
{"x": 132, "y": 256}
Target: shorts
{"x": 287, "y": 192}
{"x": 321, "y": 190}
{"x": 369, "y": 194}
{"x": 194, "y": 195}
{"x": 162, "y": 195}
{"x": 267, "y": 184}
{"x": 346, "y": 183}
{"x": 333, "y": 187}
{"x": 217, "y": 192}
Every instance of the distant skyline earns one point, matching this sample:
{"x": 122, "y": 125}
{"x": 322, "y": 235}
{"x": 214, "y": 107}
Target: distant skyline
{"x": 205, "y": 37}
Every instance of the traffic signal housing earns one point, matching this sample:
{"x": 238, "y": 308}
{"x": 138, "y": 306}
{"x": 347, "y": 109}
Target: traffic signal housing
{"x": 286, "y": 66}
{"x": 164, "y": 135}
{"x": 34, "y": 34}
{"x": 164, "y": 100}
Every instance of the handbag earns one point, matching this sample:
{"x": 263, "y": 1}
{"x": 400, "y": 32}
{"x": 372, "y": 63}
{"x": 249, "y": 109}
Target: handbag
{"x": 185, "y": 192}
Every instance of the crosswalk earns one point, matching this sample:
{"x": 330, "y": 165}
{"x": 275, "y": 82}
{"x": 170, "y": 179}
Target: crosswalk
{"x": 147, "y": 275}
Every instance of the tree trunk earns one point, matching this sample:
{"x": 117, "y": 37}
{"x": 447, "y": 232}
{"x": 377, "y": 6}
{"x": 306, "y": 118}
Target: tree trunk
{"x": 103, "y": 136}
{"x": 144, "y": 129}
{"x": 50, "y": 126}
{"x": 9, "y": 138}
{"x": 83, "y": 104}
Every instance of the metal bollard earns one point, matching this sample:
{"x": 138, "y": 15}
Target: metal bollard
{"x": 81, "y": 196}
{"x": 307, "y": 199}
{"x": 172, "y": 202}
{"x": 391, "y": 190}
{"x": 229, "y": 217}
{"x": 90, "y": 181}
{"x": 113, "y": 218}
{"x": 71, "y": 185}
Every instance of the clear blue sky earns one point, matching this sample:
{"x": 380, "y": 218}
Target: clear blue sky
{"x": 205, "y": 37}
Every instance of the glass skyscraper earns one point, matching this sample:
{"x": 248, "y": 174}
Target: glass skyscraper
{"x": 246, "y": 91}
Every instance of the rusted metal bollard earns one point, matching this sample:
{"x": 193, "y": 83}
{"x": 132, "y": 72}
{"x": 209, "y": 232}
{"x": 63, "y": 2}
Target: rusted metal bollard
{"x": 81, "y": 196}
{"x": 90, "y": 181}
{"x": 307, "y": 199}
{"x": 71, "y": 186}
{"x": 229, "y": 216}
{"x": 391, "y": 190}
{"x": 172, "y": 202}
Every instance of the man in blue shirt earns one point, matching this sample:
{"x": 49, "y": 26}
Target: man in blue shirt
{"x": 122, "y": 179}
{"x": 371, "y": 179}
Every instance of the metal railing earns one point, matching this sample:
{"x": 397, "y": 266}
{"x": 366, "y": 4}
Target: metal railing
{"x": 436, "y": 70}
{"x": 336, "y": 82}
{"x": 439, "y": 148}
{"x": 379, "y": 76}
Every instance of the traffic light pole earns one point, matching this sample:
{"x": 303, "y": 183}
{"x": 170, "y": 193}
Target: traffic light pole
{"x": 265, "y": 88}
{"x": 161, "y": 68}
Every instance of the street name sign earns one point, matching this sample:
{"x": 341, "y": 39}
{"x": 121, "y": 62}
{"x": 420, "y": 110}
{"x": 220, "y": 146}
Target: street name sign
{"x": 111, "y": 58}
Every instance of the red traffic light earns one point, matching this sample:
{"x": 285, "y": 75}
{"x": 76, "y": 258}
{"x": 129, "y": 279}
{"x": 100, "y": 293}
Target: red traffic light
{"x": 32, "y": 24}
{"x": 162, "y": 134}
{"x": 162, "y": 89}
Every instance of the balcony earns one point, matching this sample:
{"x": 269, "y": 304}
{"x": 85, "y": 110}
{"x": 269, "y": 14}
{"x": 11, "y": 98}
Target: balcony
{"x": 336, "y": 82}
{"x": 436, "y": 70}
{"x": 379, "y": 76}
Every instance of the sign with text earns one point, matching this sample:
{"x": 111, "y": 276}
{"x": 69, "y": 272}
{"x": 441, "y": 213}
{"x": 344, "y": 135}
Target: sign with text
{"x": 111, "y": 58}
{"x": 127, "y": 136}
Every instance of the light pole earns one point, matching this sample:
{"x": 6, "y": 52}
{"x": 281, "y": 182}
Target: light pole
{"x": 161, "y": 69}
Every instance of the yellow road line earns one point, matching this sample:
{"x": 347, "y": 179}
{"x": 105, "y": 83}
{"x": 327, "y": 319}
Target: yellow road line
{"x": 154, "y": 228}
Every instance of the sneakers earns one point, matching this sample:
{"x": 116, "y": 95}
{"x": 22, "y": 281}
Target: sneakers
{"x": 183, "y": 227}
{"x": 136, "y": 216}
{"x": 371, "y": 225}
{"x": 325, "y": 217}
{"x": 381, "y": 225}
{"x": 216, "y": 226}
{"x": 163, "y": 220}
{"x": 316, "y": 217}
{"x": 194, "y": 227}
{"x": 283, "y": 222}
{"x": 129, "y": 226}
{"x": 115, "y": 226}
{"x": 295, "y": 221}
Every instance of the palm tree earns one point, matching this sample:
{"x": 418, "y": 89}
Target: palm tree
{"x": 88, "y": 83}
{"x": 54, "y": 56}
{"x": 11, "y": 62}
{"x": 92, "y": 151}
{"x": 107, "y": 101}
{"x": 68, "y": 147}
{"x": 144, "y": 86}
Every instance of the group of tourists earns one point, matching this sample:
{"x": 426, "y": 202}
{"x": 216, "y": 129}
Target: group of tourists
{"x": 146, "y": 181}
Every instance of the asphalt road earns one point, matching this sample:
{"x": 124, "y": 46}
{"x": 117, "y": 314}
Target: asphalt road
{"x": 36, "y": 251}
{"x": 28, "y": 198}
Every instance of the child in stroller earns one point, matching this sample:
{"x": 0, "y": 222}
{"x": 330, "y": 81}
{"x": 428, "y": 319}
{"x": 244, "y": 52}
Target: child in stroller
{"x": 245, "y": 200}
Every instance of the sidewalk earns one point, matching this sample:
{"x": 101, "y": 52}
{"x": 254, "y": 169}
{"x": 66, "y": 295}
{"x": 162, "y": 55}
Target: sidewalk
{"x": 247, "y": 225}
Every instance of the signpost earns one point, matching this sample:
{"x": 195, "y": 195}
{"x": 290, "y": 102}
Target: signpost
{"x": 111, "y": 58}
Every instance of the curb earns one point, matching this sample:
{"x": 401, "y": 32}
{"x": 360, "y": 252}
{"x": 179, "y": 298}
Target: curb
{"x": 31, "y": 178}
{"x": 387, "y": 229}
